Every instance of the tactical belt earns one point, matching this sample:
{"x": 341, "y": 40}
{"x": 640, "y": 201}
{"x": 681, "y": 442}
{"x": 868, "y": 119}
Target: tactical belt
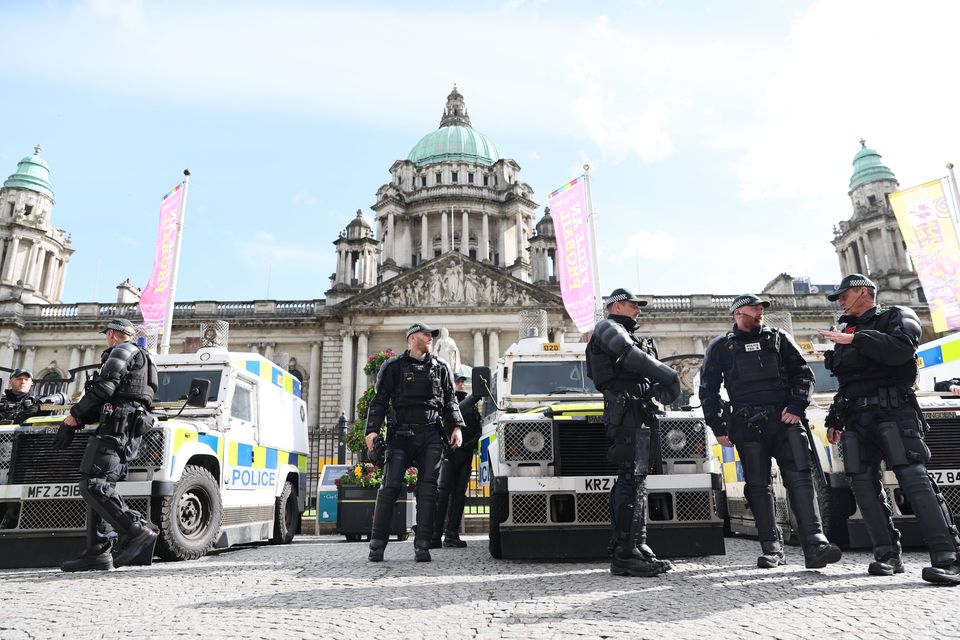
{"x": 407, "y": 427}
{"x": 901, "y": 395}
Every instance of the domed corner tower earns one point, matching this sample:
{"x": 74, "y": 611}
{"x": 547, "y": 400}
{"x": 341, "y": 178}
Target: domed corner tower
{"x": 870, "y": 241}
{"x": 33, "y": 254}
{"x": 543, "y": 253}
{"x": 454, "y": 192}
{"x": 357, "y": 260}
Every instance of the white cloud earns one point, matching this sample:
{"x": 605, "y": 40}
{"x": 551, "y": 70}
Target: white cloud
{"x": 265, "y": 236}
{"x": 534, "y": 156}
{"x": 653, "y": 246}
{"x": 304, "y": 199}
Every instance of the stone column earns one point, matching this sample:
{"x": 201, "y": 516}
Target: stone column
{"x": 254, "y": 347}
{"x": 346, "y": 379}
{"x": 465, "y": 234}
{"x": 560, "y": 335}
{"x": 268, "y": 350}
{"x": 82, "y": 362}
{"x": 698, "y": 345}
{"x": 46, "y": 274}
{"x": 484, "y": 253}
{"x": 444, "y": 247}
{"x": 61, "y": 272}
{"x": 361, "y": 362}
{"x": 30, "y": 271}
{"x": 11, "y": 259}
{"x": 477, "y": 348}
{"x": 519, "y": 234}
{"x": 426, "y": 251}
{"x": 500, "y": 235}
{"x": 29, "y": 357}
{"x": 6, "y": 354}
{"x": 494, "y": 337}
{"x": 313, "y": 386}
{"x": 390, "y": 247}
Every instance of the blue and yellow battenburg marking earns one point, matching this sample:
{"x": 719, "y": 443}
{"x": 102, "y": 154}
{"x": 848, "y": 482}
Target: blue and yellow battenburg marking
{"x": 240, "y": 454}
{"x": 276, "y": 375}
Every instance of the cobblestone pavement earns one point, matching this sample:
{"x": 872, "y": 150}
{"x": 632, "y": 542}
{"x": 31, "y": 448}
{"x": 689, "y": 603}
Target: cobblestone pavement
{"x": 323, "y": 587}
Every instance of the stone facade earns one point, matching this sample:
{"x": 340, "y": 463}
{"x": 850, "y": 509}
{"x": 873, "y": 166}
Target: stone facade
{"x": 460, "y": 253}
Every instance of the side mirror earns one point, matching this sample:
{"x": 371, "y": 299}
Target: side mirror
{"x": 480, "y": 382}
{"x": 197, "y": 396}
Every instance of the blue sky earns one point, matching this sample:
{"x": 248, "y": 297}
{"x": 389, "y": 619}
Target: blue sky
{"x": 720, "y": 136}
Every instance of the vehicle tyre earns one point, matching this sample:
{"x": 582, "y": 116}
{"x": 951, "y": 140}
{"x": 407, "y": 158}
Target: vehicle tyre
{"x": 353, "y": 537}
{"x": 191, "y": 518}
{"x": 285, "y": 516}
{"x": 401, "y": 537}
{"x": 498, "y": 513}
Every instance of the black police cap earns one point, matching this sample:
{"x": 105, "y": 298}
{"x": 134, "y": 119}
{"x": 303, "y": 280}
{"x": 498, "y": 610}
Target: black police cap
{"x": 419, "y": 326}
{"x": 852, "y": 281}
{"x": 122, "y": 325}
{"x": 747, "y": 300}
{"x": 624, "y": 295}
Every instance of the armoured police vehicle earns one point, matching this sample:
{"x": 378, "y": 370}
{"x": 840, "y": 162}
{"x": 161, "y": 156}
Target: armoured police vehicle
{"x": 225, "y": 466}
{"x": 543, "y": 452}
{"x": 841, "y": 519}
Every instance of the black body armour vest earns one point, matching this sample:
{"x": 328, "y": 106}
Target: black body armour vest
{"x": 860, "y": 376}
{"x": 754, "y": 372}
{"x": 419, "y": 391}
{"x": 608, "y": 375}
{"x": 141, "y": 380}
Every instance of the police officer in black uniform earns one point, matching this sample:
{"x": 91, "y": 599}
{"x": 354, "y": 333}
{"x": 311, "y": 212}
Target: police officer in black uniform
{"x": 417, "y": 390}
{"x": 455, "y": 472}
{"x": 876, "y": 416}
{"x": 118, "y": 397}
{"x": 625, "y": 368}
{"x": 769, "y": 385}
{"x": 948, "y": 386}
{"x": 18, "y": 403}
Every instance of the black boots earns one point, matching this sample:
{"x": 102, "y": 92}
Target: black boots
{"x": 886, "y": 566}
{"x": 820, "y": 555}
{"x": 453, "y": 540}
{"x": 376, "y": 550}
{"x": 771, "y": 555}
{"x": 138, "y": 548}
{"x": 648, "y": 554}
{"x": 945, "y": 569}
{"x": 422, "y": 554}
{"x": 90, "y": 561}
{"x": 628, "y": 560}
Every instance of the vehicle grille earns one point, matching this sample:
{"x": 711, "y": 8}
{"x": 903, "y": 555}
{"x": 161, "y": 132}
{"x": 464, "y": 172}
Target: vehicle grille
{"x": 593, "y": 508}
{"x": 61, "y": 515}
{"x": 944, "y": 442}
{"x": 35, "y": 461}
{"x": 582, "y": 450}
{"x": 684, "y": 439}
{"x": 526, "y": 440}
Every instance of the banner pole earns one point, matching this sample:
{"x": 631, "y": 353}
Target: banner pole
{"x": 956, "y": 193}
{"x": 175, "y": 269}
{"x": 592, "y": 224}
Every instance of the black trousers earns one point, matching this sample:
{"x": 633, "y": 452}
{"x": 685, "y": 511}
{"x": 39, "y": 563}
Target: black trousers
{"x": 757, "y": 444}
{"x": 422, "y": 450}
{"x": 104, "y": 464}
{"x": 455, "y": 472}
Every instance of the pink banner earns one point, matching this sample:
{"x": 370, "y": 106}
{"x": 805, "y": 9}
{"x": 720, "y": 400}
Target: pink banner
{"x": 156, "y": 295}
{"x": 574, "y": 263}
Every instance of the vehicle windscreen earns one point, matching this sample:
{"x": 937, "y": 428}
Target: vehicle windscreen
{"x": 551, "y": 378}
{"x": 174, "y": 384}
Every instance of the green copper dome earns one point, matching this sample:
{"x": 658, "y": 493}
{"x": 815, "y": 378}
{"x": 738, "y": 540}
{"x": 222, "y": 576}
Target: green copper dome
{"x": 32, "y": 173}
{"x": 455, "y": 139}
{"x": 867, "y": 167}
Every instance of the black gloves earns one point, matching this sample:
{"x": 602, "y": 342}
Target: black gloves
{"x": 666, "y": 394}
{"x": 64, "y": 437}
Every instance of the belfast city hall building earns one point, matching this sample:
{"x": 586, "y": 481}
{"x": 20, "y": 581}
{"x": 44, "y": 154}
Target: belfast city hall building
{"x": 459, "y": 242}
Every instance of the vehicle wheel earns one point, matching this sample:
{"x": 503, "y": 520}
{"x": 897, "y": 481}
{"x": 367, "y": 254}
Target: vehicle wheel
{"x": 353, "y": 537}
{"x": 498, "y": 513}
{"x": 285, "y": 516}
{"x": 191, "y": 518}
{"x": 401, "y": 537}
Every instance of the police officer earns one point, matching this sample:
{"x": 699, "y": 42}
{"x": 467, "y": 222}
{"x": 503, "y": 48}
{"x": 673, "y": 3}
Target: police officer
{"x": 117, "y": 397}
{"x": 416, "y": 389}
{"x": 948, "y": 386}
{"x": 769, "y": 385}
{"x": 18, "y": 403}
{"x": 876, "y": 416}
{"x": 625, "y": 368}
{"x": 455, "y": 469}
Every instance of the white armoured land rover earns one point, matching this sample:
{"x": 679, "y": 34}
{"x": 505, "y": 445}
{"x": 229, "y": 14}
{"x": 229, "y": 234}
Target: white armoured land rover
{"x": 229, "y": 468}
{"x": 544, "y": 454}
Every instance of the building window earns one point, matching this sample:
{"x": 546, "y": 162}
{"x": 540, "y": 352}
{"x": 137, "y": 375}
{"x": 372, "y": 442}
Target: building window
{"x": 921, "y": 296}
{"x": 413, "y": 260}
{"x": 470, "y": 178}
{"x": 399, "y": 181}
{"x": 455, "y": 177}
{"x": 872, "y": 200}
{"x": 486, "y": 181}
{"x": 423, "y": 181}
{"x": 496, "y": 259}
{"x": 473, "y": 254}
{"x": 27, "y": 209}
{"x": 436, "y": 253}
{"x": 439, "y": 177}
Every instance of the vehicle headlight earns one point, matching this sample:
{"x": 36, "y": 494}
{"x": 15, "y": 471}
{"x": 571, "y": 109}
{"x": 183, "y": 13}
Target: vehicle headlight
{"x": 676, "y": 439}
{"x": 534, "y": 442}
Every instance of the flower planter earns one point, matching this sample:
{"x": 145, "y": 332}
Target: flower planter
{"x": 355, "y": 512}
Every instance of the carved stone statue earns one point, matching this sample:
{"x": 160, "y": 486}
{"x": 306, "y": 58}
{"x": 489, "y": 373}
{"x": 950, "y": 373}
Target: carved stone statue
{"x": 446, "y": 348}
